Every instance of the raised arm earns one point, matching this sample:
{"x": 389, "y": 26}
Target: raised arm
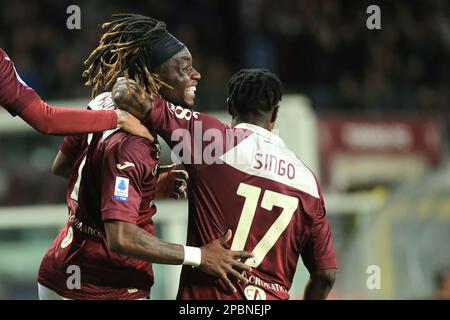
{"x": 19, "y": 99}
{"x": 121, "y": 213}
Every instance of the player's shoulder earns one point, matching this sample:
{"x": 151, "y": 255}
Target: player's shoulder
{"x": 131, "y": 145}
{"x": 183, "y": 113}
{"x": 304, "y": 179}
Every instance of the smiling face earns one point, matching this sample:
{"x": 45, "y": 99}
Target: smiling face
{"x": 179, "y": 73}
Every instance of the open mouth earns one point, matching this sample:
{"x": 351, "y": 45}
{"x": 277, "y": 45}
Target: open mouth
{"x": 191, "y": 91}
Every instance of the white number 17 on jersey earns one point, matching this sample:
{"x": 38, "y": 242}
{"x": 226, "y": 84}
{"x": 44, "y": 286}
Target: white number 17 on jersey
{"x": 270, "y": 199}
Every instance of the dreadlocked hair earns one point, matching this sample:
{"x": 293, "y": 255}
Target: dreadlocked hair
{"x": 254, "y": 91}
{"x": 124, "y": 51}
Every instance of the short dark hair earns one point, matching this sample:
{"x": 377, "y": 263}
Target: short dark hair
{"x": 254, "y": 91}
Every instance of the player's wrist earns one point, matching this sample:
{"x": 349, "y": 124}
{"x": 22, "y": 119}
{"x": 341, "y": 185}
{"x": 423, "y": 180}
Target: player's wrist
{"x": 192, "y": 256}
{"x": 121, "y": 118}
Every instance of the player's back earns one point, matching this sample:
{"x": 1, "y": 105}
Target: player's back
{"x": 271, "y": 201}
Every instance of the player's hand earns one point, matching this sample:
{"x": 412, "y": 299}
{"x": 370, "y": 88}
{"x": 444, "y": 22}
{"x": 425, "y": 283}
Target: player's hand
{"x": 126, "y": 95}
{"x": 171, "y": 183}
{"x": 132, "y": 125}
{"x": 222, "y": 263}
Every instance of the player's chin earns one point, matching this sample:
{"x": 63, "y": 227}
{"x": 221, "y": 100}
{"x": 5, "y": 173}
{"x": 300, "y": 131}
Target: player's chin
{"x": 189, "y": 101}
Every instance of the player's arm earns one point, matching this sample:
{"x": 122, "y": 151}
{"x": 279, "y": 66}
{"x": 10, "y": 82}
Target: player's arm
{"x": 167, "y": 120}
{"x": 19, "y": 99}
{"x": 129, "y": 239}
{"x": 62, "y": 165}
{"x": 65, "y": 159}
{"x": 121, "y": 202}
{"x": 319, "y": 284}
{"x": 171, "y": 183}
{"x": 318, "y": 254}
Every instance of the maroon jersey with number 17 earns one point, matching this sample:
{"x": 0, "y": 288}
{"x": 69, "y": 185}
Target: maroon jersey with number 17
{"x": 247, "y": 180}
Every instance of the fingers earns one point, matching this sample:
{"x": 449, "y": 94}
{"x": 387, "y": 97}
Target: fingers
{"x": 147, "y": 135}
{"x": 242, "y": 254}
{"x": 241, "y": 266}
{"x": 122, "y": 81}
{"x": 181, "y": 175}
{"x": 180, "y": 184}
{"x": 167, "y": 168}
{"x": 178, "y": 195}
{"x": 226, "y": 237}
{"x": 227, "y": 281}
{"x": 238, "y": 276}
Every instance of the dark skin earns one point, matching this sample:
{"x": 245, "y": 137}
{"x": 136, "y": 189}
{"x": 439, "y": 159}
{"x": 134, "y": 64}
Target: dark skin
{"x": 171, "y": 183}
{"x": 126, "y": 97}
{"x": 128, "y": 239}
{"x": 320, "y": 281}
{"x": 131, "y": 240}
{"x": 178, "y": 72}
{"x": 319, "y": 284}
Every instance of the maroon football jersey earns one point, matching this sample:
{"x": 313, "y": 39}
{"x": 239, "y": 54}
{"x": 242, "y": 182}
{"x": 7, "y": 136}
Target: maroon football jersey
{"x": 114, "y": 177}
{"x": 20, "y": 99}
{"x": 15, "y": 94}
{"x": 247, "y": 180}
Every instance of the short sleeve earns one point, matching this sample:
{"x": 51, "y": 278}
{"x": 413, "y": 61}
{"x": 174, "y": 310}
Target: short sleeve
{"x": 15, "y": 94}
{"x": 71, "y": 145}
{"x": 125, "y": 167}
{"x": 165, "y": 118}
{"x": 186, "y": 131}
{"x": 318, "y": 252}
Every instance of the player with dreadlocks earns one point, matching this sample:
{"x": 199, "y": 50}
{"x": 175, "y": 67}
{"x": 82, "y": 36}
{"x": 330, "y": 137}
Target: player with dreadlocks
{"x": 246, "y": 180}
{"x": 113, "y": 180}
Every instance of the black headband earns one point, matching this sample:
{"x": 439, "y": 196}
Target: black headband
{"x": 164, "y": 49}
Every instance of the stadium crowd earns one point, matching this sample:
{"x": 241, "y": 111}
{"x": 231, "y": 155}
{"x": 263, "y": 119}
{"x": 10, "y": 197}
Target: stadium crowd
{"x": 321, "y": 48}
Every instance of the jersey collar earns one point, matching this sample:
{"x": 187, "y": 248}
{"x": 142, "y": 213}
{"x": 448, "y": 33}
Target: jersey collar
{"x": 262, "y": 132}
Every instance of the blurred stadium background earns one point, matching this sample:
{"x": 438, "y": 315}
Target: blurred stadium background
{"x": 368, "y": 111}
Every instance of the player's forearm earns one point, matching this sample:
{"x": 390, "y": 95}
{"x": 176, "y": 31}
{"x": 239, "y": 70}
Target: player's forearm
{"x": 319, "y": 285}
{"x": 316, "y": 290}
{"x": 62, "y": 121}
{"x": 135, "y": 242}
{"x": 62, "y": 165}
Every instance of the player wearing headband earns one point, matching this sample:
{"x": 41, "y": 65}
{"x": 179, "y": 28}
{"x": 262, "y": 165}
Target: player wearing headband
{"x": 109, "y": 234}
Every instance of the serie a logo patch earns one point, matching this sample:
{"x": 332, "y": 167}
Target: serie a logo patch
{"x": 121, "y": 189}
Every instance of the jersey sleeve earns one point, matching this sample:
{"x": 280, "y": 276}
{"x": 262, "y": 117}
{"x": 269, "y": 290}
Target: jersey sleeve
{"x": 20, "y": 99}
{"x": 318, "y": 252}
{"x": 71, "y": 145}
{"x": 15, "y": 95}
{"x": 124, "y": 169}
{"x": 169, "y": 120}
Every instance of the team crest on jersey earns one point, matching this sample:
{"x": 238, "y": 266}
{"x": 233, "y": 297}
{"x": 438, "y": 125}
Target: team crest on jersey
{"x": 254, "y": 293}
{"x": 121, "y": 189}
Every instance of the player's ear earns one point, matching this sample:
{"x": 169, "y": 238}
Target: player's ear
{"x": 274, "y": 114}
{"x": 231, "y": 109}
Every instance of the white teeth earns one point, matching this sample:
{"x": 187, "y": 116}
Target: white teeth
{"x": 191, "y": 89}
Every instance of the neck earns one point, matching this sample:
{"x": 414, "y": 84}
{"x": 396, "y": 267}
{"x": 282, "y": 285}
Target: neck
{"x": 263, "y": 122}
